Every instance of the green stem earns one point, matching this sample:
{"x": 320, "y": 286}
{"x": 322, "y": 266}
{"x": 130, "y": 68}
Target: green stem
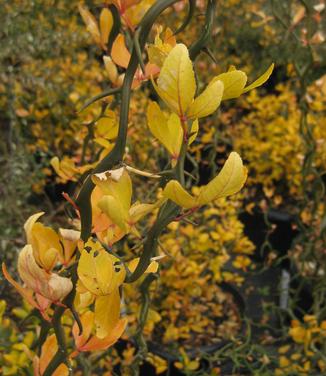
{"x": 196, "y": 47}
{"x": 61, "y": 355}
{"x": 140, "y": 340}
{"x": 116, "y": 155}
{"x": 104, "y": 94}
{"x": 185, "y": 23}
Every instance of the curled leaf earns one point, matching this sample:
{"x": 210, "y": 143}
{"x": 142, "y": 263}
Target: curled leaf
{"x": 49, "y": 285}
{"x": 228, "y": 182}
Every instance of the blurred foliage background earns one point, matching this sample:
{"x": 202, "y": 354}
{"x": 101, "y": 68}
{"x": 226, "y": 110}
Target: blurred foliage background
{"x": 243, "y": 290}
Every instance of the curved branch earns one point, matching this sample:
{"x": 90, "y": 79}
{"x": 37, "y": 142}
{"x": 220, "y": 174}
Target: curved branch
{"x": 191, "y": 11}
{"x": 196, "y": 47}
{"x": 116, "y": 155}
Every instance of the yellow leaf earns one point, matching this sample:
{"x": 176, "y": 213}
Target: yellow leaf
{"x": 45, "y": 242}
{"x": 157, "y": 123}
{"x": 107, "y": 313}
{"x": 65, "y": 168}
{"x": 207, "y": 102}
{"x": 193, "y": 131}
{"x": 46, "y": 245}
{"x": 261, "y": 80}
{"x": 111, "y": 70}
{"x": 99, "y": 271}
{"x": 114, "y": 210}
{"x": 192, "y": 365}
{"x": 106, "y": 127}
{"x": 175, "y": 192}
{"x": 28, "y": 225}
{"x": 139, "y": 211}
{"x": 95, "y": 270}
{"x": 228, "y": 182}
{"x": 168, "y": 130}
{"x": 158, "y": 51}
{"x": 120, "y": 55}
{"x": 90, "y": 23}
{"x": 234, "y": 82}
{"x": 176, "y": 83}
{"x": 106, "y": 23}
{"x": 117, "y": 185}
{"x": 69, "y": 239}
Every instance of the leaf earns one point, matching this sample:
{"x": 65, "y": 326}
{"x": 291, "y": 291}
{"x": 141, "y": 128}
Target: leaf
{"x": 207, "y": 102}
{"x": 193, "y": 131}
{"x": 96, "y": 343}
{"x": 142, "y": 172}
{"x": 119, "y": 186}
{"x": 28, "y": 225}
{"x": 157, "y": 123}
{"x": 107, "y": 313}
{"x": 90, "y": 23}
{"x": 49, "y": 349}
{"x": 228, "y": 182}
{"x": 114, "y": 210}
{"x": 95, "y": 269}
{"x": 46, "y": 245}
{"x": 168, "y": 130}
{"x": 51, "y": 286}
{"x": 99, "y": 271}
{"x": 69, "y": 239}
{"x": 139, "y": 211}
{"x": 176, "y": 193}
{"x": 106, "y": 24}
{"x": 176, "y": 83}
{"x": 107, "y": 128}
{"x": 26, "y": 294}
{"x": 120, "y": 55}
{"x": 87, "y": 321}
{"x": 111, "y": 70}
{"x": 261, "y": 80}
{"x": 158, "y": 51}
{"x": 234, "y": 82}
{"x": 115, "y": 175}
{"x": 65, "y": 168}
{"x": 59, "y": 286}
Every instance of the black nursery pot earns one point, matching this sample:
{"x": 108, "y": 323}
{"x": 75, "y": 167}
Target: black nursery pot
{"x": 281, "y": 240}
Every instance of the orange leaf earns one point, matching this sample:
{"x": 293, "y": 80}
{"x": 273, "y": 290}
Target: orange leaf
{"x": 96, "y": 343}
{"x": 120, "y": 55}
